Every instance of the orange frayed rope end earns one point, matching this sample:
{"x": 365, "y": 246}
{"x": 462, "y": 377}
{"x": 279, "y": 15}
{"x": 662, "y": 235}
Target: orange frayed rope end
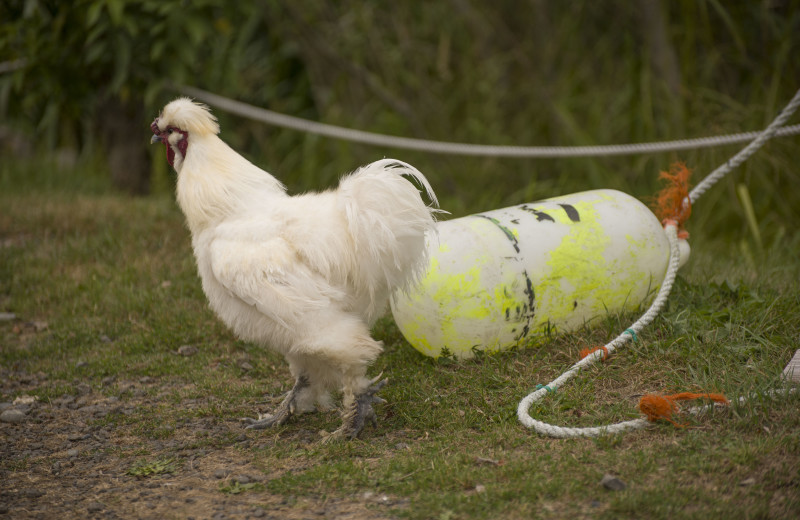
{"x": 657, "y": 407}
{"x": 672, "y": 202}
{"x": 586, "y": 351}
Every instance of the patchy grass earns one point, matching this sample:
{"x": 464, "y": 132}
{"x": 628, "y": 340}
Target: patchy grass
{"x": 144, "y": 468}
{"x": 105, "y": 293}
{"x": 234, "y": 487}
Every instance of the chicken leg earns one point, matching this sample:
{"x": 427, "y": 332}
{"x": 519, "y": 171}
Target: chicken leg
{"x": 357, "y": 413}
{"x": 286, "y": 409}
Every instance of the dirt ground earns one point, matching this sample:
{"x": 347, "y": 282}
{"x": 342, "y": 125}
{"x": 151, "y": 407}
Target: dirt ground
{"x": 60, "y": 461}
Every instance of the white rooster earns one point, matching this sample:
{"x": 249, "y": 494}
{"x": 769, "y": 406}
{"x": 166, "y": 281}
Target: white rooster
{"x": 305, "y": 275}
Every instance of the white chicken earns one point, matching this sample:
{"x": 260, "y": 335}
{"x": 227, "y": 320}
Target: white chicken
{"x": 305, "y": 275}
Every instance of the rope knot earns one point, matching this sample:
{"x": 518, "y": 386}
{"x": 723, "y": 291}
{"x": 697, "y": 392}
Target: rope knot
{"x": 673, "y": 202}
{"x": 656, "y": 406}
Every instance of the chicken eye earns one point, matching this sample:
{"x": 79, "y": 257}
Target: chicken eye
{"x": 169, "y": 130}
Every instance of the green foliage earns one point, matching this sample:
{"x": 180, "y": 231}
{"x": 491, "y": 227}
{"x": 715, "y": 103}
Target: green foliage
{"x": 77, "y": 54}
{"x": 557, "y": 73}
{"x": 144, "y": 469}
{"x": 234, "y": 487}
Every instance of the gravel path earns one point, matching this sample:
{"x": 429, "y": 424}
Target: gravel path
{"x": 59, "y": 460}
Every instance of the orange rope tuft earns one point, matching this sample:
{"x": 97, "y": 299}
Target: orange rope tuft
{"x": 586, "y": 351}
{"x": 657, "y": 407}
{"x": 673, "y": 201}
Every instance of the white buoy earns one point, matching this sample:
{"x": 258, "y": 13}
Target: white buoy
{"x": 510, "y": 277}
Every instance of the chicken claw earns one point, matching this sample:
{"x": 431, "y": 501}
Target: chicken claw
{"x": 361, "y": 411}
{"x": 284, "y": 410}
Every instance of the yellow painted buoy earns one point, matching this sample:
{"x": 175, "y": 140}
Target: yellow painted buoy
{"x": 510, "y": 277}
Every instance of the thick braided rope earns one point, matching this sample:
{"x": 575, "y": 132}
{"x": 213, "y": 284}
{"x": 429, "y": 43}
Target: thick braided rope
{"x": 550, "y": 430}
{"x": 663, "y": 293}
{"x": 359, "y": 136}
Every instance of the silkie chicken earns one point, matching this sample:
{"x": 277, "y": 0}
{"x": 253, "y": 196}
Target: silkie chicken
{"x": 305, "y": 275}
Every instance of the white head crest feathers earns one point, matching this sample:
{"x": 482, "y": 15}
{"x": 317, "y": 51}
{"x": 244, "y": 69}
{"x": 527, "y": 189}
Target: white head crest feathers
{"x": 185, "y": 114}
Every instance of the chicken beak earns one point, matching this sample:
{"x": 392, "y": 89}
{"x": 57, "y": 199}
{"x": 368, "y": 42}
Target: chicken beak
{"x": 156, "y": 139}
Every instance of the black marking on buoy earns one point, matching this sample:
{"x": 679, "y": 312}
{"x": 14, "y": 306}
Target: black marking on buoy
{"x": 528, "y": 311}
{"x": 507, "y": 232}
{"x": 529, "y": 291}
{"x": 515, "y": 221}
{"x": 574, "y": 305}
{"x": 541, "y": 216}
{"x": 571, "y": 212}
{"x": 508, "y": 314}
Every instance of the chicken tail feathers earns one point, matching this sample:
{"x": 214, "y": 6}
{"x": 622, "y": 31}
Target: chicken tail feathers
{"x": 388, "y": 221}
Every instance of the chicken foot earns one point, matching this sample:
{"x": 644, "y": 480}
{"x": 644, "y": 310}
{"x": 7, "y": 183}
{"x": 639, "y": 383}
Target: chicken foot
{"x": 360, "y": 411}
{"x": 286, "y": 409}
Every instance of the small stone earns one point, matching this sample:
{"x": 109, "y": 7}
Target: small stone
{"x": 64, "y": 400}
{"x": 77, "y": 436}
{"x": 613, "y": 483}
{"x": 12, "y": 416}
{"x": 221, "y": 473}
{"x": 81, "y": 364}
{"x": 25, "y": 399}
{"x": 480, "y": 488}
{"x": 39, "y": 326}
{"x": 23, "y": 408}
{"x": 258, "y": 513}
{"x": 95, "y": 507}
{"x": 32, "y": 493}
{"x": 146, "y": 380}
{"x": 244, "y": 365}
{"x": 242, "y": 479}
{"x": 402, "y": 446}
{"x": 7, "y": 316}
{"x": 72, "y": 453}
{"x": 187, "y": 350}
{"x": 83, "y": 389}
{"x": 105, "y": 339}
{"x": 108, "y": 381}
{"x": 747, "y": 482}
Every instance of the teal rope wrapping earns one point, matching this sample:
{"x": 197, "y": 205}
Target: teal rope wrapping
{"x": 539, "y": 386}
{"x": 632, "y": 334}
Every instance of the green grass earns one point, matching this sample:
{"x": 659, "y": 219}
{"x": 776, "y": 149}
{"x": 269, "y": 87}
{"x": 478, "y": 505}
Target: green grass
{"x": 97, "y": 266}
{"x": 143, "y": 468}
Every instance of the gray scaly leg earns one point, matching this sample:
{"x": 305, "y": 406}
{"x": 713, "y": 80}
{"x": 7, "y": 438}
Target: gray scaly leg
{"x": 284, "y": 410}
{"x": 360, "y": 411}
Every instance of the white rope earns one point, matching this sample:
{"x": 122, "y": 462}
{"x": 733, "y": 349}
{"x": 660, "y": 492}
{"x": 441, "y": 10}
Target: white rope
{"x": 303, "y": 125}
{"x": 671, "y": 231}
{"x": 661, "y": 298}
{"x": 747, "y": 151}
